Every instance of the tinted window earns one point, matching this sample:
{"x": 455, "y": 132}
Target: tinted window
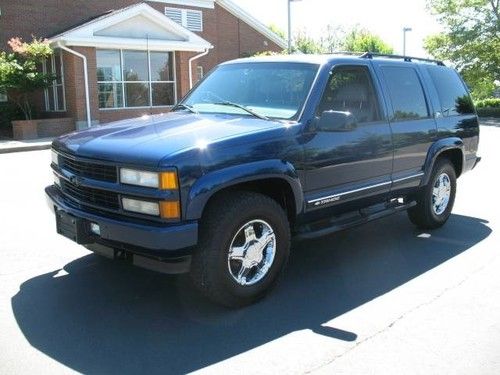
{"x": 350, "y": 89}
{"x": 273, "y": 89}
{"x": 451, "y": 91}
{"x": 407, "y": 95}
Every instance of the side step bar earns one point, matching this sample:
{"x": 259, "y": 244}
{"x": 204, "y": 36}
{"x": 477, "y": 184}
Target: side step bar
{"x": 348, "y": 221}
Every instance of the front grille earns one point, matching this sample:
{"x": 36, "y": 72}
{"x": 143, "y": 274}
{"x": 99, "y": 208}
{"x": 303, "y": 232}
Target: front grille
{"x": 90, "y": 170}
{"x": 96, "y": 197}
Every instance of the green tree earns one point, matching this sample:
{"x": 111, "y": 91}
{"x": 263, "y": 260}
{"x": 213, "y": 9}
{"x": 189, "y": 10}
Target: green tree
{"x": 470, "y": 41}
{"x": 360, "y": 40}
{"x": 20, "y": 73}
{"x": 275, "y": 29}
{"x": 305, "y": 44}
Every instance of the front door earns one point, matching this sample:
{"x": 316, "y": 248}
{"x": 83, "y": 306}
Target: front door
{"x": 346, "y": 165}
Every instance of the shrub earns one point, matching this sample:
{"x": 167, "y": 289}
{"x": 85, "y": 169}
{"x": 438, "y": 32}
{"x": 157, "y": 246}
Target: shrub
{"x": 20, "y": 73}
{"x": 488, "y": 103}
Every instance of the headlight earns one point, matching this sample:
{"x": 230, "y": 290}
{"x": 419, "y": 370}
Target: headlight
{"x": 142, "y": 207}
{"x": 57, "y": 180}
{"x": 55, "y": 157}
{"x": 163, "y": 180}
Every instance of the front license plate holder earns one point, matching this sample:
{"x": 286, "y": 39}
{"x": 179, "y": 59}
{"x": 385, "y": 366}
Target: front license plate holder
{"x": 74, "y": 228}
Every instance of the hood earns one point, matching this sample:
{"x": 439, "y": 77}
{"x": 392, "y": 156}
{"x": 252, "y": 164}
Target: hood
{"x": 147, "y": 140}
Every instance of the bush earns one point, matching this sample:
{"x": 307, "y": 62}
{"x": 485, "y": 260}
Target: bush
{"x": 489, "y": 112}
{"x": 488, "y": 103}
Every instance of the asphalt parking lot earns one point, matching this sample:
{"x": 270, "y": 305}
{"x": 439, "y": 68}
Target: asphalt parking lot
{"x": 384, "y": 298}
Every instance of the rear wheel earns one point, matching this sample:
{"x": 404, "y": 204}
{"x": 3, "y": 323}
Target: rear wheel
{"x": 243, "y": 248}
{"x": 435, "y": 201}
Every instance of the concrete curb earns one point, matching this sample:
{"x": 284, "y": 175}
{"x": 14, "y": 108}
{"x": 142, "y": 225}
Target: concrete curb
{"x": 18, "y": 146}
{"x": 489, "y": 121}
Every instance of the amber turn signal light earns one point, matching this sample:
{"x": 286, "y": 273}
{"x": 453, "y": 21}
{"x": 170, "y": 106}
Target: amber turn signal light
{"x": 168, "y": 180}
{"x": 170, "y": 210}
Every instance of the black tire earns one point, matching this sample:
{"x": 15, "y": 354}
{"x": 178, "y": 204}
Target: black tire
{"x": 423, "y": 215}
{"x": 222, "y": 221}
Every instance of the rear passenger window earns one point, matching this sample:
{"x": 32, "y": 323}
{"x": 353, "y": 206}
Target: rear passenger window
{"x": 407, "y": 95}
{"x": 451, "y": 91}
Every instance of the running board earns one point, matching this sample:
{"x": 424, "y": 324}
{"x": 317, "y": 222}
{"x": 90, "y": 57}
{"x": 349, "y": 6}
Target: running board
{"x": 350, "y": 220}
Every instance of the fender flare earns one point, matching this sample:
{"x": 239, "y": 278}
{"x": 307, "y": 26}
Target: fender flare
{"x": 209, "y": 184}
{"x": 436, "y": 149}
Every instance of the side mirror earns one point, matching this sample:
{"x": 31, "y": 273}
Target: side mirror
{"x": 336, "y": 121}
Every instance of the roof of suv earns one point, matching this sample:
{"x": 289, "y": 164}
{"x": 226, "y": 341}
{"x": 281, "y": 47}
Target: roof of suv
{"x": 323, "y": 59}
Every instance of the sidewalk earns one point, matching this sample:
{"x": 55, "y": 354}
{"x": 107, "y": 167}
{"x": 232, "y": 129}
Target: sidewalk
{"x": 9, "y": 145}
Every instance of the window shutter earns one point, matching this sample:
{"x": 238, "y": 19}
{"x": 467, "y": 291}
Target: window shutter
{"x": 174, "y": 14}
{"x": 194, "y": 20}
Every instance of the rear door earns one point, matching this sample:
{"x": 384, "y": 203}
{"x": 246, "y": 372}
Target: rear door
{"x": 410, "y": 116}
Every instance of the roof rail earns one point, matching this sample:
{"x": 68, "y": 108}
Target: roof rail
{"x": 371, "y": 55}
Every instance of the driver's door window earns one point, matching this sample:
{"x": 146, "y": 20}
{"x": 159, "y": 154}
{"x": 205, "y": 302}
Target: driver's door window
{"x": 350, "y": 89}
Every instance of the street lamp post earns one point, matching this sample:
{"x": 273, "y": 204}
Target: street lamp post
{"x": 290, "y": 26}
{"x": 405, "y": 30}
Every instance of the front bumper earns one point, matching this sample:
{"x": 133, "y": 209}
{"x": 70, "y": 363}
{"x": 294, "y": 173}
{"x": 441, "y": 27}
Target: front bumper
{"x": 161, "y": 241}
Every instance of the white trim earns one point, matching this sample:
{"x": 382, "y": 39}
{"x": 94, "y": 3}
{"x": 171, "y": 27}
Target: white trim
{"x": 251, "y": 21}
{"x": 408, "y": 177}
{"x": 189, "y": 3}
{"x": 85, "y": 35}
{"x": 135, "y": 44}
{"x": 349, "y": 192}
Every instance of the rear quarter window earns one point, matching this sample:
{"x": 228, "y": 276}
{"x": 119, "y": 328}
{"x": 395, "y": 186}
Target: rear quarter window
{"x": 453, "y": 96}
{"x": 406, "y": 93}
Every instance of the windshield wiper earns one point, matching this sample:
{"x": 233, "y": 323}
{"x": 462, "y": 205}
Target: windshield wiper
{"x": 185, "y": 106}
{"x": 246, "y": 109}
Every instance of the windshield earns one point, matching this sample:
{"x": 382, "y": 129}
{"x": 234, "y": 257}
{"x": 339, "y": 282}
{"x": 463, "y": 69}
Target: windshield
{"x": 265, "y": 90}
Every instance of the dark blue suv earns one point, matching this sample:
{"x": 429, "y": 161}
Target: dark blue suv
{"x": 261, "y": 151}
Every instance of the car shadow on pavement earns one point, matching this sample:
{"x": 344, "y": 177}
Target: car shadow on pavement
{"x": 108, "y": 317}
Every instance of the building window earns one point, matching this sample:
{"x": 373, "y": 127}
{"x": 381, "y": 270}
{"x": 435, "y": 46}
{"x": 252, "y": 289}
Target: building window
{"x": 190, "y": 19}
{"x": 55, "y": 100}
{"x": 199, "y": 72}
{"x": 3, "y": 97}
{"x": 128, "y": 79}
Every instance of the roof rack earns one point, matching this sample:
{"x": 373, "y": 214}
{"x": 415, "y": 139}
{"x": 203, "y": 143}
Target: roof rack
{"x": 371, "y": 55}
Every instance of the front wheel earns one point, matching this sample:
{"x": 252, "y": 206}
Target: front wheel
{"x": 435, "y": 201}
{"x": 243, "y": 248}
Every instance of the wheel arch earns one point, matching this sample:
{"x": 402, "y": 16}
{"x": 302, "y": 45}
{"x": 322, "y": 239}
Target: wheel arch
{"x": 275, "y": 178}
{"x": 451, "y": 148}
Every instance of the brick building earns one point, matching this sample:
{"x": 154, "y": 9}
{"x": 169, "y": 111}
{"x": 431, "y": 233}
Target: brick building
{"x": 118, "y": 59}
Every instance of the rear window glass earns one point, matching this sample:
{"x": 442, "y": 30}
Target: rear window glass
{"x": 452, "y": 94}
{"x": 407, "y": 95}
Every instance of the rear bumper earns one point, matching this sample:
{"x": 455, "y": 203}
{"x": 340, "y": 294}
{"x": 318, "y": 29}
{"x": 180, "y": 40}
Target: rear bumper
{"x": 155, "y": 240}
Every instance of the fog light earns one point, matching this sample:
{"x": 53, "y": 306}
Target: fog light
{"x": 95, "y": 228}
{"x": 142, "y": 207}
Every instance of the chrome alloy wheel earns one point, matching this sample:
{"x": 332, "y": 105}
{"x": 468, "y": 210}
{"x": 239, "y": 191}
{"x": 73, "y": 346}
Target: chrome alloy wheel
{"x": 441, "y": 193}
{"x": 251, "y": 253}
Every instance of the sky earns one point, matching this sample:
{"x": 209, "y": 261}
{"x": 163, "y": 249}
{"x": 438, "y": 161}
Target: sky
{"x": 386, "y": 18}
